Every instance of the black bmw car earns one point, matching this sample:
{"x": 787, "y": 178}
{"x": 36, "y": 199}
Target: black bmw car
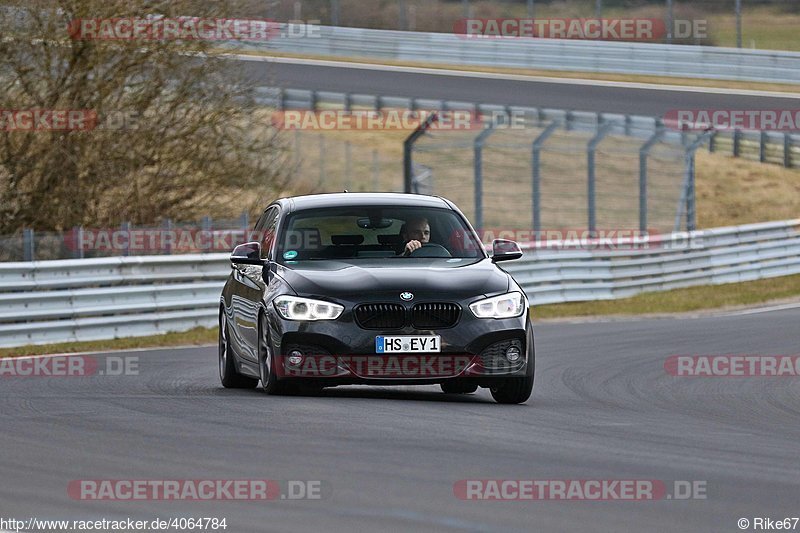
{"x": 384, "y": 289}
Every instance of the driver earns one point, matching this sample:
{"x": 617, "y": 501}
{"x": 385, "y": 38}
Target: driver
{"x": 415, "y": 232}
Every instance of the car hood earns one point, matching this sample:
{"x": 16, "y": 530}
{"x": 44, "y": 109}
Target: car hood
{"x": 364, "y": 281}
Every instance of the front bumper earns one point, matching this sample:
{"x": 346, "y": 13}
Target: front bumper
{"x": 341, "y": 352}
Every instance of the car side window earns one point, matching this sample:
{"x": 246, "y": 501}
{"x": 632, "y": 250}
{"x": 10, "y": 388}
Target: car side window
{"x": 266, "y": 229}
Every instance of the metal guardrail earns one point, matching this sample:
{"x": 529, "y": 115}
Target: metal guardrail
{"x": 687, "y": 61}
{"x": 706, "y": 257}
{"x": 90, "y": 299}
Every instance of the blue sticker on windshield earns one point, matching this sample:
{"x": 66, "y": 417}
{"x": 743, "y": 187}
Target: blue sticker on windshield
{"x": 291, "y": 254}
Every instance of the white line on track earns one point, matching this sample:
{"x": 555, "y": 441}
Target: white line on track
{"x": 510, "y": 77}
{"x": 109, "y": 352}
{"x": 764, "y": 309}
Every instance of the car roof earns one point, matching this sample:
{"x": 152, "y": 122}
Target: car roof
{"x": 355, "y": 199}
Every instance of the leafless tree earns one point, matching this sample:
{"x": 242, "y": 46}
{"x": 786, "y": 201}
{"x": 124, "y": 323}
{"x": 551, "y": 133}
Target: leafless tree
{"x": 177, "y": 133}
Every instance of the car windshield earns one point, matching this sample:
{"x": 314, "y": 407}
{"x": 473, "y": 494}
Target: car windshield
{"x": 355, "y": 233}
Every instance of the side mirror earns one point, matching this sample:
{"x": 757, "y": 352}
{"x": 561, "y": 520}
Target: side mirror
{"x": 248, "y": 253}
{"x": 503, "y": 250}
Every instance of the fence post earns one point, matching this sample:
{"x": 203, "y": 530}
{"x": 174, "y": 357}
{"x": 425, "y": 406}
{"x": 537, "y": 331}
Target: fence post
{"x": 712, "y": 142}
{"x": 408, "y": 147}
{"x": 590, "y": 153}
{"x": 167, "y": 242}
{"x": 334, "y": 12}
{"x": 670, "y": 21}
{"x": 348, "y": 102}
{"x": 762, "y": 146}
{"x": 322, "y": 160}
{"x": 348, "y": 164}
{"x": 296, "y": 150}
{"x": 244, "y": 221}
{"x": 313, "y": 100}
{"x": 480, "y": 140}
{"x": 787, "y": 150}
{"x": 737, "y": 138}
{"x": 376, "y": 171}
{"x": 206, "y": 224}
{"x": 403, "y": 15}
{"x": 28, "y": 245}
{"x": 77, "y": 238}
{"x": 644, "y": 151}
{"x": 537, "y": 175}
{"x": 126, "y": 230}
{"x": 688, "y": 192}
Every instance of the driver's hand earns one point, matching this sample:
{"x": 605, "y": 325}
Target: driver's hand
{"x": 411, "y": 246}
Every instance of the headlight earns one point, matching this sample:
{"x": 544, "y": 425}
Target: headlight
{"x": 504, "y": 306}
{"x": 294, "y": 308}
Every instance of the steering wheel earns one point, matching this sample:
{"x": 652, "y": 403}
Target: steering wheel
{"x": 431, "y": 249}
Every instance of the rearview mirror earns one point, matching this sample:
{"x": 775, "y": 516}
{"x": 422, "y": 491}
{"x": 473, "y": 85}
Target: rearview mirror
{"x": 504, "y": 250}
{"x": 248, "y": 253}
{"x": 374, "y": 223}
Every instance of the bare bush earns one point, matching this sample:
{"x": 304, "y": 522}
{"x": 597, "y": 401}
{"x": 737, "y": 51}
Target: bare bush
{"x": 175, "y": 134}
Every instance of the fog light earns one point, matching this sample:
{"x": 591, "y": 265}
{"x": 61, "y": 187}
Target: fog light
{"x": 295, "y": 357}
{"x": 512, "y": 354}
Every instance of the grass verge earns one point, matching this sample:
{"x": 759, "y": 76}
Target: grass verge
{"x": 196, "y": 336}
{"x": 710, "y": 297}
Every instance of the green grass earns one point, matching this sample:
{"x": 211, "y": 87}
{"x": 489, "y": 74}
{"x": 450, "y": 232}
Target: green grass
{"x": 197, "y": 336}
{"x": 680, "y": 300}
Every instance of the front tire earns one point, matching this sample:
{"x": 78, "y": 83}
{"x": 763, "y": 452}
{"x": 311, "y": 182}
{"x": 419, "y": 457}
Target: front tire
{"x": 228, "y": 375}
{"x": 518, "y": 390}
{"x": 266, "y": 364}
{"x": 513, "y": 390}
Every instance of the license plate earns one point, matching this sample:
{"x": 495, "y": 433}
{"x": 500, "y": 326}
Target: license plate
{"x": 408, "y": 344}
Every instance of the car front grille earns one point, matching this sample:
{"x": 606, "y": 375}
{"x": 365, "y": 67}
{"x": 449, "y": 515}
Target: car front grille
{"x": 380, "y": 316}
{"x": 435, "y": 315}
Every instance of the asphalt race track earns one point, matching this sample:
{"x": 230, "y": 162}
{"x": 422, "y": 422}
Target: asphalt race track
{"x": 597, "y": 97}
{"x": 603, "y": 408}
